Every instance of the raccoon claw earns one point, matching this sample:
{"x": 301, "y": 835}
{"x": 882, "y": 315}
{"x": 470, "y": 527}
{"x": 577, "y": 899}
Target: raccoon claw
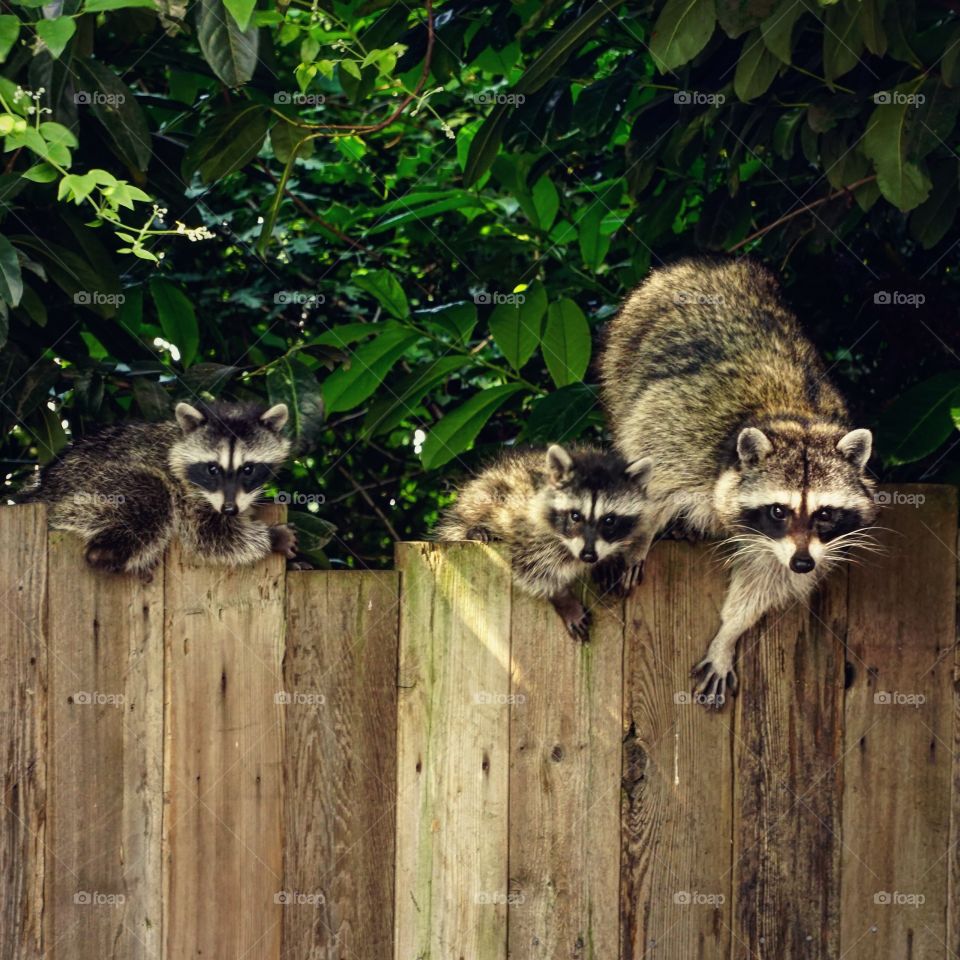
{"x": 481, "y": 534}
{"x": 579, "y": 626}
{"x": 717, "y": 680}
{"x": 632, "y": 577}
{"x": 283, "y": 539}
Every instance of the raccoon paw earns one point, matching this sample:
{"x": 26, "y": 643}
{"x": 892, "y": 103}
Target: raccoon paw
{"x": 283, "y": 539}
{"x": 717, "y": 680}
{"x": 632, "y": 577}
{"x": 577, "y": 622}
{"x": 480, "y": 533}
{"x": 105, "y": 558}
{"x": 609, "y": 576}
{"x": 299, "y": 565}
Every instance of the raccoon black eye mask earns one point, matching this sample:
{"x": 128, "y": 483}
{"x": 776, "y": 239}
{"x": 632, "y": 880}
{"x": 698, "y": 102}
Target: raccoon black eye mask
{"x": 127, "y": 490}
{"x": 562, "y": 513}
{"x": 751, "y": 441}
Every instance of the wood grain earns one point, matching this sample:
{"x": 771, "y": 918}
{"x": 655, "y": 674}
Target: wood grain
{"x": 675, "y": 896}
{"x": 566, "y": 709}
{"x": 788, "y": 777}
{"x": 223, "y": 860}
{"x": 452, "y": 752}
{"x": 899, "y": 736}
{"x": 340, "y": 685}
{"x": 23, "y": 753}
{"x": 105, "y": 781}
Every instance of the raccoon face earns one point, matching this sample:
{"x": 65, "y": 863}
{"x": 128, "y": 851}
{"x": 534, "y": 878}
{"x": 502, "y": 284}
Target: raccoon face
{"x": 804, "y": 498}
{"x": 594, "y": 501}
{"x": 227, "y": 453}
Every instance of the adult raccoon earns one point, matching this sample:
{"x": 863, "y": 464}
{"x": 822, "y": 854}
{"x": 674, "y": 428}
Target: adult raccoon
{"x": 705, "y": 370}
{"x": 562, "y": 513}
{"x": 129, "y": 488}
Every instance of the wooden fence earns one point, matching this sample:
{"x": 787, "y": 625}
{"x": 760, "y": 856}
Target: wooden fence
{"x": 420, "y": 765}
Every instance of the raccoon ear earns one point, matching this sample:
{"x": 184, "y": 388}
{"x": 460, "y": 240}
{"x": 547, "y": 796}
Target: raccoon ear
{"x": 559, "y": 464}
{"x": 640, "y": 471}
{"x": 856, "y": 447}
{"x": 275, "y": 418}
{"x": 188, "y": 417}
{"x": 752, "y": 446}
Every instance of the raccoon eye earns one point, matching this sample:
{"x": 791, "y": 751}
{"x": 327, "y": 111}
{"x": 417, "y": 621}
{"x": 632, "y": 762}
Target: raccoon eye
{"x": 778, "y": 512}
{"x": 576, "y": 516}
{"x": 609, "y": 520}
{"x": 824, "y": 515}
{"x": 213, "y": 469}
{"x": 247, "y": 469}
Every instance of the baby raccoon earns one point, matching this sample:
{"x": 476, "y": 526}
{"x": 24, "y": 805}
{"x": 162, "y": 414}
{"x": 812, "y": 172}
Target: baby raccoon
{"x": 708, "y": 372}
{"x": 561, "y": 513}
{"x": 131, "y": 487}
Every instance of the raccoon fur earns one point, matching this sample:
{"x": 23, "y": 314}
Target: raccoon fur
{"x": 561, "y": 512}
{"x": 705, "y": 370}
{"x": 131, "y": 487}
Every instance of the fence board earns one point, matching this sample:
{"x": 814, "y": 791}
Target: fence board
{"x": 23, "y": 754}
{"x": 897, "y": 772}
{"x": 223, "y": 763}
{"x": 677, "y": 792}
{"x": 788, "y": 780}
{"x": 452, "y": 752}
{"x": 340, "y": 681}
{"x": 564, "y": 783}
{"x": 104, "y": 787}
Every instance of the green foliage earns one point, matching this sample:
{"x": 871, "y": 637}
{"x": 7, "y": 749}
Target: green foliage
{"x": 411, "y": 226}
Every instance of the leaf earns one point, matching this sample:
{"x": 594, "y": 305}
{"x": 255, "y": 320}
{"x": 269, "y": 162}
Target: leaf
{"x": 230, "y": 51}
{"x": 457, "y": 319}
{"x": 756, "y": 68}
{"x": 285, "y": 137}
{"x": 386, "y": 288}
{"x": 40, "y": 173}
{"x": 389, "y": 411}
{"x": 208, "y": 376}
{"x": 902, "y": 182}
{"x": 11, "y": 280}
{"x": 950, "y": 64}
{"x": 516, "y": 336}
{"x": 594, "y": 244}
{"x": 566, "y": 342}
{"x": 292, "y": 382}
{"x": 226, "y": 143}
{"x": 842, "y": 41}
{"x": 177, "y": 318}
{"x": 682, "y": 30}
{"x": 546, "y": 201}
{"x": 870, "y": 22}
{"x": 485, "y": 145}
{"x": 561, "y": 415}
{"x": 241, "y": 11}
{"x": 118, "y": 111}
{"x": 151, "y": 398}
{"x": 9, "y": 31}
{"x": 56, "y": 33}
{"x": 97, "y": 6}
{"x": 930, "y": 221}
{"x": 777, "y": 29}
{"x": 456, "y": 431}
{"x": 350, "y": 385}
{"x": 920, "y": 420}
{"x": 736, "y": 17}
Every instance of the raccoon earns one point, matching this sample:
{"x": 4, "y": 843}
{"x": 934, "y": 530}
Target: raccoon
{"x": 705, "y": 370}
{"x": 561, "y": 512}
{"x": 129, "y": 488}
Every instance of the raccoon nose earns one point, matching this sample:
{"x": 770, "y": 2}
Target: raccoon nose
{"x": 230, "y": 509}
{"x": 588, "y": 556}
{"x": 801, "y": 563}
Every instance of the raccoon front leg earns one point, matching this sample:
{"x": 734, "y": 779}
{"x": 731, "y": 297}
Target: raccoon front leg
{"x": 575, "y": 616}
{"x": 237, "y": 540}
{"x": 623, "y": 571}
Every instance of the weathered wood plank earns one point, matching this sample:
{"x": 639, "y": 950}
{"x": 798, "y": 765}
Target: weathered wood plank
{"x": 452, "y": 752}
{"x": 340, "y": 709}
{"x": 899, "y": 736}
{"x": 23, "y": 754}
{"x": 105, "y": 780}
{"x": 788, "y": 780}
{"x": 675, "y": 896}
{"x": 223, "y": 859}
{"x": 565, "y": 708}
